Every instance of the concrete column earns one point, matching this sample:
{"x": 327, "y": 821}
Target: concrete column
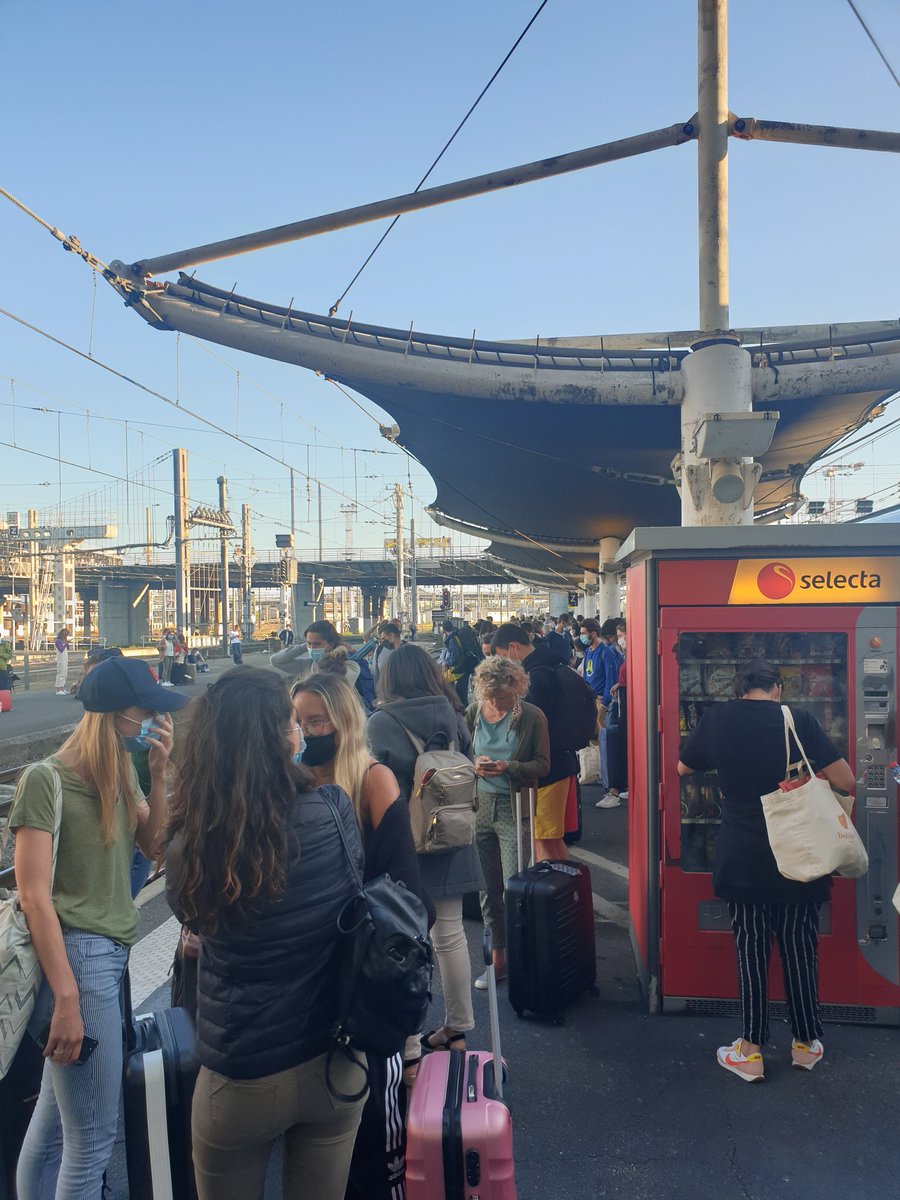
{"x": 587, "y": 595}
{"x": 119, "y": 619}
{"x": 303, "y": 604}
{"x": 608, "y": 603}
{"x": 717, "y": 380}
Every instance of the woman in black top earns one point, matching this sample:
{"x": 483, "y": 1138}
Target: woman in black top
{"x": 330, "y": 713}
{"x": 743, "y": 740}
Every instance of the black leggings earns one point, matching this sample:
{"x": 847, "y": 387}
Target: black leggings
{"x": 378, "y": 1168}
{"x": 796, "y": 926}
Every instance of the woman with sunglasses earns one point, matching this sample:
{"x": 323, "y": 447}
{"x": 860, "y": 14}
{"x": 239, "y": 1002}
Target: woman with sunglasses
{"x": 257, "y": 867}
{"x": 333, "y": 724}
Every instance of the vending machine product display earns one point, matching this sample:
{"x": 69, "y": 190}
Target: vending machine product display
{"x": 821, "y": 604}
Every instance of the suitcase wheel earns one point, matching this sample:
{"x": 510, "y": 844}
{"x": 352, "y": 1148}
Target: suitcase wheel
{"x": 520, "y": 1013}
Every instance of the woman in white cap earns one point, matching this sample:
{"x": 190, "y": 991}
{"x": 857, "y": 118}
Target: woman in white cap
{"x": 81, "y": 915}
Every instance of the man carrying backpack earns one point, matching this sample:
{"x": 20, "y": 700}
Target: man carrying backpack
{"x": 462, "y": 654}
{"x": 568, "y": 704}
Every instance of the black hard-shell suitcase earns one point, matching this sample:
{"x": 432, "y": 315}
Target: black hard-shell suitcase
{"x": 160, "y": 1072}
{"x": 551, "y": 953}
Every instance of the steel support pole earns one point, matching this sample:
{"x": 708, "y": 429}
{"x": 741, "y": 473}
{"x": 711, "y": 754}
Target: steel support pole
{"x": 712, "y": 162}
{"x": 398, "y": 505}
{"x": 247, "y": 564}
{"x": 413, "y": 581}
{"x": 182, "y": 551}
{"x": 223, "y": 565}
{"x": 479, "y": 185}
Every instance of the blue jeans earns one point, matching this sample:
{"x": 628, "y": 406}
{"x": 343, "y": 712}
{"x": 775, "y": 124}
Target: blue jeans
{"x": 71, "y": 1135}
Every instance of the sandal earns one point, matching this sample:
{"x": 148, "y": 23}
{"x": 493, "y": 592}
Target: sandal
{"x": 448, "y": 1040}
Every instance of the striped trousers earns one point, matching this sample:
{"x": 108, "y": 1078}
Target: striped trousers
{"x": 796, "y": 927}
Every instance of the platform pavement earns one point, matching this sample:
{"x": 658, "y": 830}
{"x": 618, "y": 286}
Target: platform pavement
{"x": 616, "y": 1105}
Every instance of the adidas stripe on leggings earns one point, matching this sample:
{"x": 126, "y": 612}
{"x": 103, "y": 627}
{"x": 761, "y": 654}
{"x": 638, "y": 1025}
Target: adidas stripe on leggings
{"x": 796, "y": 926}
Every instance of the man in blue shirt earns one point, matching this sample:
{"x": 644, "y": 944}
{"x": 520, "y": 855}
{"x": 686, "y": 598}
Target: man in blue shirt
{"x": 592, "y": 666}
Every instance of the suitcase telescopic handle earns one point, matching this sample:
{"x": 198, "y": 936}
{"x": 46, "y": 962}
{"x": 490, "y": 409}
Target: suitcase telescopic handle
{"x": 494, "y": 1011}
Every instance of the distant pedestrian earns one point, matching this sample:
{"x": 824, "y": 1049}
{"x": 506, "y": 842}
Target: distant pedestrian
{"x": 390, "y": 638}
{"x": 62, "y": 660}
{"x": 235, "y": 646}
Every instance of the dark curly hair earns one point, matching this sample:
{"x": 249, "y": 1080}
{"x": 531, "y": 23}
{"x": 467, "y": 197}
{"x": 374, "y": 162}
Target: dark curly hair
{"x": 228, "y": 814}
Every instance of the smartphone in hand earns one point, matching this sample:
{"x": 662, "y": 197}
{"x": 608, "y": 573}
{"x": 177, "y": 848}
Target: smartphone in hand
{"x": 88, "y": 1046}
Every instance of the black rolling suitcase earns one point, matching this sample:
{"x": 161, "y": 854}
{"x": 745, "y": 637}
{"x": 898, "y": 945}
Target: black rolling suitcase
{"x": 550, "y": 950}
{"x": 158, "y": 1087}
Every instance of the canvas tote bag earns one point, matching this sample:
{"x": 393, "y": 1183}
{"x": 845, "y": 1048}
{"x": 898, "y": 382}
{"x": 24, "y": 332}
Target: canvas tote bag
{"x": 20, "y": 971}
{"x": 810, "y": 832}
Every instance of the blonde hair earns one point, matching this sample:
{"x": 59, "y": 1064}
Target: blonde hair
{"x": 102, "y": 761}
{"x": 346, "y": 714}
{"x": 495, "y": 676}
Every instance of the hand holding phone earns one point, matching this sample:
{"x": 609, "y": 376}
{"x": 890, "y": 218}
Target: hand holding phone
{"x": 88, "y": 1046}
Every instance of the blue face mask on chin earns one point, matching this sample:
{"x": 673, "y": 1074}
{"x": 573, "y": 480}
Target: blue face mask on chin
{"x": 315, "y": 652}
{"x": 142, "y": 740}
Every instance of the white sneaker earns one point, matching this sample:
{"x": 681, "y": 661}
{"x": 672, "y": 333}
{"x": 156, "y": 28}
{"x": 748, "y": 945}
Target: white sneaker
{"x": 623, "y": 795}
{"x": 61, "y": 692}
{"x": 481, "y": 983}
{"x": 608, "y": 801}
{"x": 167, "y": 685}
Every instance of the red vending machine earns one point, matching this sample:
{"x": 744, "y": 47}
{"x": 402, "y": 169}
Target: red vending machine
{"x": 821, "y": 602}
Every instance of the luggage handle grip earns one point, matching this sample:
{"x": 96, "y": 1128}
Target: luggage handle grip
{"x": 494, "y": 1010}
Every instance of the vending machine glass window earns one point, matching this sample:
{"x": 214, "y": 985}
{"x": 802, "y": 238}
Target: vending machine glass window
{"x": 813, "y": 667}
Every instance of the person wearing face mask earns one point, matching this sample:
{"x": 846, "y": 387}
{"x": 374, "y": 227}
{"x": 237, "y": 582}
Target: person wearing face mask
{"x": 82, "y": 917}
{"x": 255, "y": 864}
{"x": 617, "y": 732}
{"x": 390, "y": 639}
{"x": 333, "y": 725}
{"x": 321, "y": 639}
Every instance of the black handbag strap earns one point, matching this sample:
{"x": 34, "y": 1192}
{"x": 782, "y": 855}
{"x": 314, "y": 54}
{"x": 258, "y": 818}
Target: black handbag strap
{"x": 325, "y": 793}
{"x": 341, "y": 1042}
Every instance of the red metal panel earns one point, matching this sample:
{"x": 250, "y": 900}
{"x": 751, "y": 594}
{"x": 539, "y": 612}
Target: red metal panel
{"x": 689, "y": 582}
{"x": 637, "y": 751}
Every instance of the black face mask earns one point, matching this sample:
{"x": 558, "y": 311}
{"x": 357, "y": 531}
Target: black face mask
{"x": 319, "y": 749}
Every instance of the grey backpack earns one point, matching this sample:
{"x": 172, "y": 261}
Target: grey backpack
{"x": 443, "y": 802}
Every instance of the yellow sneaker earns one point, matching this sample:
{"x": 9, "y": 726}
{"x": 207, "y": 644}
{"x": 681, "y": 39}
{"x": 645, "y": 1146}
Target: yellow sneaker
{"x": 745, "y": 1066}
{"x": 806, "y": 1054}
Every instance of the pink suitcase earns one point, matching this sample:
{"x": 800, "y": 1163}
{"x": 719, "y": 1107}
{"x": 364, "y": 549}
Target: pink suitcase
{"x": 5, "y": 701}
{"x": 458, "y": 1129}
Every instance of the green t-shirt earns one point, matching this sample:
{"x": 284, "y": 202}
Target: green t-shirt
{"x": 92, "y": 886}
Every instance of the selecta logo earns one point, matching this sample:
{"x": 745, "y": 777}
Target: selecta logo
{"x": 861, "y": 580}
{"x": 776, "y": 581}
{"x": 842, "y": 821}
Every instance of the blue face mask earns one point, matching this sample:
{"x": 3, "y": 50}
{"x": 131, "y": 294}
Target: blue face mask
{"x": 142, "y": 740}
{"x": 315, "y": 652}
{"x": 299, "y": 754}
{"x": 584, "y": 639}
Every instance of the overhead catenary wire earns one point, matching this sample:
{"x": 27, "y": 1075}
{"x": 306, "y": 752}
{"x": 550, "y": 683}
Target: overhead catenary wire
{"x": 165, "y": 399}
{"x": 873, "y": 40}
{"x": 334, "y": 308}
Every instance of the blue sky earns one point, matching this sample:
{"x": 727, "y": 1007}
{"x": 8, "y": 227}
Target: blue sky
{"x": 146, "y": 128}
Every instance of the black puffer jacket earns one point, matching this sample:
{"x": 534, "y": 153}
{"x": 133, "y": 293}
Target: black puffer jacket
{"x": 544, "y": 692}
{"x": 266, "y": 994}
